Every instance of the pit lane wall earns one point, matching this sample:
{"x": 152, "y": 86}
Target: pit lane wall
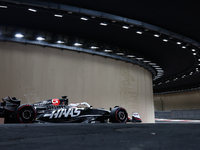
{"x": 33, "y": 73}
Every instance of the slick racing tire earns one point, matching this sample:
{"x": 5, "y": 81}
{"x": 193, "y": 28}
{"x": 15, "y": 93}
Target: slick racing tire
{"x": 118, "y": 115}
{"x": 25, "y": 114}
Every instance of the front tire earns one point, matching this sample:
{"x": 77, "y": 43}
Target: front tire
{"x": 118, "y": 115}
{"x": 25, "y": 114}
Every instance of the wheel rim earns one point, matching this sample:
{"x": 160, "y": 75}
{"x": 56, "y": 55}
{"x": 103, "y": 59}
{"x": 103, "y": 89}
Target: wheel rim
{"x": 122, "y": 115}
{"x": 26, "y": 114}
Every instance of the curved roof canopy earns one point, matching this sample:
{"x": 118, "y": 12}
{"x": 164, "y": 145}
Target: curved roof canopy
{"x": 163, "y": 36}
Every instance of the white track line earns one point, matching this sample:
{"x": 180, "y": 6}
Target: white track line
{"x": 177, "y": 120}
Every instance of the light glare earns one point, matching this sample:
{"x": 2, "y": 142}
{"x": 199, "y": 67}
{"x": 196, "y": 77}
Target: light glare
{"x": 40, "y": 38}
{"x": 19, "y": 35}
{"x": 33, "y": 10}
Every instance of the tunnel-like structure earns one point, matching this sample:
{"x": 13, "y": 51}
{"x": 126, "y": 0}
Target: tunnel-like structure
{"x": 33, "y": 73}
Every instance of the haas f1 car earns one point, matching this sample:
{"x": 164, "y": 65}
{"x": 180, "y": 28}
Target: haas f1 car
{"x": 58, "y": 110}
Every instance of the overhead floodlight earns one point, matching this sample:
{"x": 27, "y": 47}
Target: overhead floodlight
{"x": 158, "y": 68}
{"x": 156, "y": 35}
{"x": 103, "y": 23}
{"x": 198, "y": 59}
{"x": 130, "y": 56}
{"x": 193, "y": 50}
{"x": 121, "y": 54}
{"x": 125, "y": 27}
{"x": 146, "y": 61}
{"x": 78, "y": 44}
{"x": 152, "y": 63}
{"x": 183, "y": 47}
{"x": 165, "y": 40}
{"x": 94, "y": 47}
{"x": 39, "y": 38}
{"x": 194, "y": 53}
{"x": 60, "y": 41}
{"x": 32, "y": 9}
{"x": 107, "y": 50}
{"x": 183, "y": 76}
{"x": 19, "y": 35}
{"x": 179, "y": 43}
{"x": 3, "y": 6}
{"x": 84, "y": 18}
{"x": 139, "y": 32}
{"x": 139, "y": 58}
{"x": 58, "y": 15}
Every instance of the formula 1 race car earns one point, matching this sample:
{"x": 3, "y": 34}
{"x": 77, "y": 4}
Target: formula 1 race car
{"x": 58, "y": 110}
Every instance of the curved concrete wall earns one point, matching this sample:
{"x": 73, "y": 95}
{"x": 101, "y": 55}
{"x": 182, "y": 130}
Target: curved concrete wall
{"x": 177, "y": 101}
{"x": 34, "y": 73}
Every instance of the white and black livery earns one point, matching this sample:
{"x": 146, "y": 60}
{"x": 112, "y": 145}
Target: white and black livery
{"x": 58, "y": 110}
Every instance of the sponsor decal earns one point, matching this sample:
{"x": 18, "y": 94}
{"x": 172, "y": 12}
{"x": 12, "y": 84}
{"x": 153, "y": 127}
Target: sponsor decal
{"x": 71, "y": 112}
{"x": 43, "y": 103}
{"x": 56, "y": 102}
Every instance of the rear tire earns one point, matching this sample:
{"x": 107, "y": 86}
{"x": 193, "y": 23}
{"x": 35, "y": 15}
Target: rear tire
{"x": 25, "y": 114}
{"x": 118, "y": 115}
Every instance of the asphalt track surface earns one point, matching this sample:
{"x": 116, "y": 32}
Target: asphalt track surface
{"x": 100, "y": 136}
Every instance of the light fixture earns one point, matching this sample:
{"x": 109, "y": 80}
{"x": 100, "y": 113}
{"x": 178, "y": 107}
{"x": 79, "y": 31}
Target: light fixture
{"x": 139, "y": 58}
{"x": 139, "y": 32}
{"x": 183, "y": 76}
{"x": 130, "y": 56}
{"x": 94, "y": 47}
{"x": 84, "y": 18}
{"x": 183, "y": 47}
{"x": 193, "y": 50}
{"x": 107, "y": 50}
{"x": 40, "y": 38}
{"x": 69, "y": 12}
{"x": 103, "y": 23}
{"x": 77, "y": 44}
{"x": 152, "y": 64}
{"x": 146, "y": 61}
{"x": 60, "y": 41}
{"x": 165, "y": 40}
{"x": 19, "y": 35}
{"x": 32, "y": 9}
{"x": 58, "y": 15}
{"x": 178, "y": 43}
{"x": 191, "y": 73}
{"x": 121, "y": 54}
{"x": 156, "y": 35}
{"x": 125, "y": 27}
{"x": 3, "y": 6}
{"x": 194, "y": 53}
